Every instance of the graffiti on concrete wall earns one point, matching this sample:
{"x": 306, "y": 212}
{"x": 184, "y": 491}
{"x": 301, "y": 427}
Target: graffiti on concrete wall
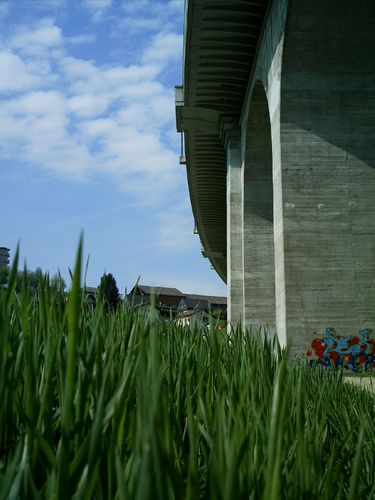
{"x": 353, "y": 353}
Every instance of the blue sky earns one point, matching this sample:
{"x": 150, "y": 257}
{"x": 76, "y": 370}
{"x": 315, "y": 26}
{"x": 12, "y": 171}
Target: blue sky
{"x": 88, "y": 141}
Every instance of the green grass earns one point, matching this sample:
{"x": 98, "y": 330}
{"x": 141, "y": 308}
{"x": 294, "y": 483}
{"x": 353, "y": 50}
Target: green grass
{"x": 97, "y": 404}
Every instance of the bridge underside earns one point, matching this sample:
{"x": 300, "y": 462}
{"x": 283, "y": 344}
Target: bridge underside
{"x": 220, "y": 44}
{"x": 279, "y": 119}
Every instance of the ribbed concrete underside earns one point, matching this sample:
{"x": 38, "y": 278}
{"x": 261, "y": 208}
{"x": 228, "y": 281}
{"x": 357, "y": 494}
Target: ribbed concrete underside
{"x": 220, "y": 45}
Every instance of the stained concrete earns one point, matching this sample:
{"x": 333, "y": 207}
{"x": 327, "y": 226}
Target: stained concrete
{"x": 234, "y": 229}
{"x": 318, "y": 72}
{"x": 258, "y": 245}
{"x": 367, "y": 383}
{"x": 300, "y": 235}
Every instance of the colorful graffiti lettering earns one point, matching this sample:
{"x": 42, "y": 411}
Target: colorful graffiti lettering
{"x": 353, "y": 353}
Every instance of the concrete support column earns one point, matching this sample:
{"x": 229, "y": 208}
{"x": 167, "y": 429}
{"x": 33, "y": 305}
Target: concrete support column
{"x": 234, "y": 229}
{"x": 258, "y": 238}
{"x": 325, "y": 167}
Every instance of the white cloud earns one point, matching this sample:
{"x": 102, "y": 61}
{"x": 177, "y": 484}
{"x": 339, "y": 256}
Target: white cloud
{"x": 97, "y": 4}
{"x": 152, "y": 113}
{"x": 97, "y": 128}
{"x": 97, "y": 7}
{"x": 16, "y": 75}
{"x": 37, "y": 104}
{"x": 117, "y": 81}
{"x": 77, "y": 119}
{"x": 135, "y": 5}
{"x": 81, "y": 39}
{"x": 143, "y": 23}
{"x": 34, "y": 129}
{"x": 44, "y": 36}
{"x": 151, "y": 15}
{"x": 88, "y": 105}
{"x": 166, "y": 48}
{"x": 74, "y": 68}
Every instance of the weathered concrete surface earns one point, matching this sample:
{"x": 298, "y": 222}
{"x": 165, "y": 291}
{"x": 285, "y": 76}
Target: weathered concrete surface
{"x": 267, "y": 71}
{"x": 234, "y": 229}
{"x": 367, "y": 383}
{"x": 327, "y": 160}
{"x": 315, "y": 125}
{"x": 319, "y": 74}
{"x": 258, "y": 246}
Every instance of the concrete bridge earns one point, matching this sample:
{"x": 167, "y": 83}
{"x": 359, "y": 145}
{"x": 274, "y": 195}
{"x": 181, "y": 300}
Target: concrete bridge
{"x": 277, "y": 109}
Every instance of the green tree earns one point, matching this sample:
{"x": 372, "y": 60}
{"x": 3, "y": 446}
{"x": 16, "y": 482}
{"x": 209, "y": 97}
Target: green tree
{"x": 111, "y": 293}
{"x": 32, "y": 279}
{"x": 35, "y": 277}
{"x": 58, "y": 282}
{"x": 4, "y": 276}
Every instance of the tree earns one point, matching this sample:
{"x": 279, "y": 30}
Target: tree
{"x": 35, "y": 278}
{"x": 58, "y": 282}
{"x": 111, "y": 293}
{"x": 4, "y": 276}
{"x": 32, "y": 280}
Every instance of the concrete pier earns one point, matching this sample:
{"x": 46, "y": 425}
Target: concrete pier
{"x": 299, "y": 85}
{"x": 234, "y": 229}
{"x": 258, "y": 245}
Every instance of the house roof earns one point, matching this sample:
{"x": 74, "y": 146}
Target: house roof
{"x": 212, "y": 299}
{"x": 91, "y": 289}
{"x": 158, "y": 290}
{"x": 200, "y": 300}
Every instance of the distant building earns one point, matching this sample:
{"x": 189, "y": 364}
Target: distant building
{"x": 164, "y": 296}
{"x": 4, "y": 257}
{"x": 145, "y": 311}
{"x": 171, "y": 302}
{"x": 213, "y": 303}
{"x": 195, "y": 317}
{"x": 91, "y": 294}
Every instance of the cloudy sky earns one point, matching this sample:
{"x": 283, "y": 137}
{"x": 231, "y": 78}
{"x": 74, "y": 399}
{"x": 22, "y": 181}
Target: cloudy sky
{"x": 88, "y": 141}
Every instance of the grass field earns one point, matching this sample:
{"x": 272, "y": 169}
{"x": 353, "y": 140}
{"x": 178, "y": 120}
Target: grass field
{"x": 97, "y": 404}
